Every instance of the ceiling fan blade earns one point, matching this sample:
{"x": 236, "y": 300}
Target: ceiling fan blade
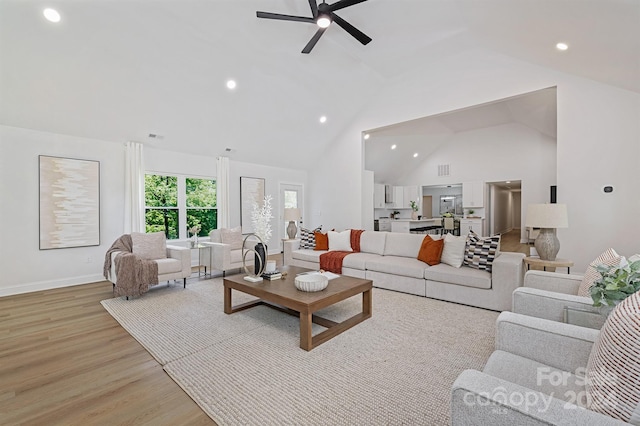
{"x": 313, "y": 40}
{"x": 359, "y": 35}
{"x": 269, "y": 15}
{"x": 314, "y": 8}
{"x": 343, "y": 3}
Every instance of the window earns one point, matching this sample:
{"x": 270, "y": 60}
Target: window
{"x": 174, "y": 204}
{"x": 161, "y": 205}
{"x": 201, "y": 204}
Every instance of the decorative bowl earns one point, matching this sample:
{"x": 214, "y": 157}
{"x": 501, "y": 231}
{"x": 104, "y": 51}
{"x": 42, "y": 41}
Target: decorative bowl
{"x": 311, "y": 282}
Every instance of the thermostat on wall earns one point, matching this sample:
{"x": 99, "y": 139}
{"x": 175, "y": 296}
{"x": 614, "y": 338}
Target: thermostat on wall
{"x": 608, "y": 189}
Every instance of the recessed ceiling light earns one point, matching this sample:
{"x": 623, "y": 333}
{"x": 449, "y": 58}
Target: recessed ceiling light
{"x": 231, "y": 84}
{"x": 323, "y": 119}
{"x": 367, "y": 136}
{"x": 415, "y": 155}
{"x": 394, "y": 146}
{"x": 508, "y": 181}
{"x": 562, "y": 46}
{"x": 51, "y": 15}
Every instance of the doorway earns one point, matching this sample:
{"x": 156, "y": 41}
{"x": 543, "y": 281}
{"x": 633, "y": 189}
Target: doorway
{"x": 291, "y": 197}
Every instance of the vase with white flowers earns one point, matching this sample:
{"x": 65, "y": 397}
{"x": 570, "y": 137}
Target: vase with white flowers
{"x": 261, "y": 220}
{"x": 194, "y": 231}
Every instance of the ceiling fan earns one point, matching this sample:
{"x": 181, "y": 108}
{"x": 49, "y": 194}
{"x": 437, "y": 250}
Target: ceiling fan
{"x": 323, "y": 16}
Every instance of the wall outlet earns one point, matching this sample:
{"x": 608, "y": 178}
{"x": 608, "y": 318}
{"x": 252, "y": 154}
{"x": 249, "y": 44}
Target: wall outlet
{"x": 89, "y": 259}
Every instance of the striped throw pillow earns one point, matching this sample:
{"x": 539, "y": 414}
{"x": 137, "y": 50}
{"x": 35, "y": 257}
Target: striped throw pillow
{"x": 613, "y": 370}
{"x": 609, "y": 258}
{"x": 479, "y": 252}
{"x": 308, "y": 238}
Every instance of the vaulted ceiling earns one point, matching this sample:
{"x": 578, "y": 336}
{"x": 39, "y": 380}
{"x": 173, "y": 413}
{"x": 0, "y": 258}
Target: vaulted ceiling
{"x": 120, "y": 70}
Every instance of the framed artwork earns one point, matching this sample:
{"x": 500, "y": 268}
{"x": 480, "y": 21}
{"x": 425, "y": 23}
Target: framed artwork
{"x": 69, "y": 202}
{"x": 251, "y": 191}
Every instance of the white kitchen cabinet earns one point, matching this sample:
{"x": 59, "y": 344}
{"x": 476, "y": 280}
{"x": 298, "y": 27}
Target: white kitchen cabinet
{"x": 398, "y": 197}
{"x": 472, "y": 194}
{"x": 378, "y": 196}
{"x": 410, "y": 194}
{"x": 477, "y": 225}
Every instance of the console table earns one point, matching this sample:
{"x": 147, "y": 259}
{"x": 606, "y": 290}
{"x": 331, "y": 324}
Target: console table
{"x": 558, "y": 263}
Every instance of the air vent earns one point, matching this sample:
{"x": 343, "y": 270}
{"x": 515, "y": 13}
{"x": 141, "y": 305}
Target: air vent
{"x": 444, "y": 170}
{"x": 155, "y": 136}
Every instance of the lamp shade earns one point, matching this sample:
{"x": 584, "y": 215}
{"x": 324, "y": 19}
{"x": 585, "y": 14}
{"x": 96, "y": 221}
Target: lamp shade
{"x": 291, "y": 214}
{"x": 547, "y": 216}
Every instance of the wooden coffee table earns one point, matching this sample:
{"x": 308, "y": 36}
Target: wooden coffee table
{"x": 284, "y": 296}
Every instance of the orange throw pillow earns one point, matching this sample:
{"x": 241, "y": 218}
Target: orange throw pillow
{"x": 322, "y": 241}
{"x": 430, "y": 251}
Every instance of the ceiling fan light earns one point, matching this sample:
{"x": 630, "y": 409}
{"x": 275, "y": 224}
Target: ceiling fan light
{"x": 323, "y": 21}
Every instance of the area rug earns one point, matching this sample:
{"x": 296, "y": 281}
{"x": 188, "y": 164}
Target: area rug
{"x": 395, "y": 368}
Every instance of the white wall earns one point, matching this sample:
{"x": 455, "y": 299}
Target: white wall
{"x": 25, "y": 267}
{"x": 516, "y": 218}
{"x": 597, "y": 144}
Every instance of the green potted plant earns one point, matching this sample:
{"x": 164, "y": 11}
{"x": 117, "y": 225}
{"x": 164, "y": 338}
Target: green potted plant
{"x": 414, "y": 208}
{"x": 616, "y": 283}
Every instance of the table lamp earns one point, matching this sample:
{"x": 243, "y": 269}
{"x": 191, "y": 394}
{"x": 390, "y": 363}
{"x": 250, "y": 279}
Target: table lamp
{"x": 292, "y": 215}
{"x": 547, "y": 217}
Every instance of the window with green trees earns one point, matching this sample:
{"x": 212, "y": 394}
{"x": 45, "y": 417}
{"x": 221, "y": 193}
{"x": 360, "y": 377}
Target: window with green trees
{"x": 175, "y": 204}
{"x": 201, "y": 205}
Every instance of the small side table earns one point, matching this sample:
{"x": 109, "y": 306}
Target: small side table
{"x": 206, "y": 249}
{"x": 558, "y": 263}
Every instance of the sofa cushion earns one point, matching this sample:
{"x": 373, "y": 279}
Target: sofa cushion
{"x": 168, "y": 266}
{"x": 232, "y": 236}
{"x": 149, "y": 246}
{"x": 400, "y": 244}
{"x": 373, "y": 242}
{"x": 358, "y": 260}
{"x": 464, "y": 276}
{"x": 479, "y": 252}
{"x": 308, "y": 255}
{"x": 397, "y": 265}
{"x": 453, "y": 251}
{"x": 322, "y": 241}
{"x": 308, "y": 238}
{"x": 613, "y": 368}
{"x": 236, "y": 257}
{"x": 610, "y": 258}
{"x": 431, "y": 250}
{"x": 340, "y": 241}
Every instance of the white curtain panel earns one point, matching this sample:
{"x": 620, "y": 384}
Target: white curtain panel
{"x": 134, "y": 188}
{"x": 222, "y": 187}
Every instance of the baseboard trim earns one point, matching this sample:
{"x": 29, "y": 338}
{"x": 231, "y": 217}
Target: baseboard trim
{"x": 50, "y": 284}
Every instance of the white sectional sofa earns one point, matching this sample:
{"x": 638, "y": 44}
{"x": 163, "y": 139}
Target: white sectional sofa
{"x": 389, "y": 259}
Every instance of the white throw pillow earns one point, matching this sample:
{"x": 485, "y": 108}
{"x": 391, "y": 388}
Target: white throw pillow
{"x": 340, "y": 241}
{"x": 453, "y": 251}
{"x": 149, "y": 246}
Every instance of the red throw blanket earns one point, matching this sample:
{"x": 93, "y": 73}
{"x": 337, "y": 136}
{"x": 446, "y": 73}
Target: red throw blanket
{"x": 332, "y": 261}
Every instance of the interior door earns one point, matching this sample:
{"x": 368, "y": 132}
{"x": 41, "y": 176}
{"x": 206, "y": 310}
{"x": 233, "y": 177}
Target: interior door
{"x": 427, "y": 206}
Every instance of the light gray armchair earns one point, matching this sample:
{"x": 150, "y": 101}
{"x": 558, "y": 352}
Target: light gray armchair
{"x": 553, "y": 296}
{"x": 534, "y": 377}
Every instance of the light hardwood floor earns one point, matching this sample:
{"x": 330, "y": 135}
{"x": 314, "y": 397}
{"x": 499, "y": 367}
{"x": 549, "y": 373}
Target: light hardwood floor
{"x": 65, "y": 361}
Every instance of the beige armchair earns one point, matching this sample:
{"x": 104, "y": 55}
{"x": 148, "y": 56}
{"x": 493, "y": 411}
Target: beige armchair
{"x": 554, "y": 297}
{"x": 225, "y": 251}
{"x": 173, "y": 262}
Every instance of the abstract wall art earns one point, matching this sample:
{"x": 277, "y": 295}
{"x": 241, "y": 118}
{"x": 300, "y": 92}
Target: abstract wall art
{"x": 69, "y": 202}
